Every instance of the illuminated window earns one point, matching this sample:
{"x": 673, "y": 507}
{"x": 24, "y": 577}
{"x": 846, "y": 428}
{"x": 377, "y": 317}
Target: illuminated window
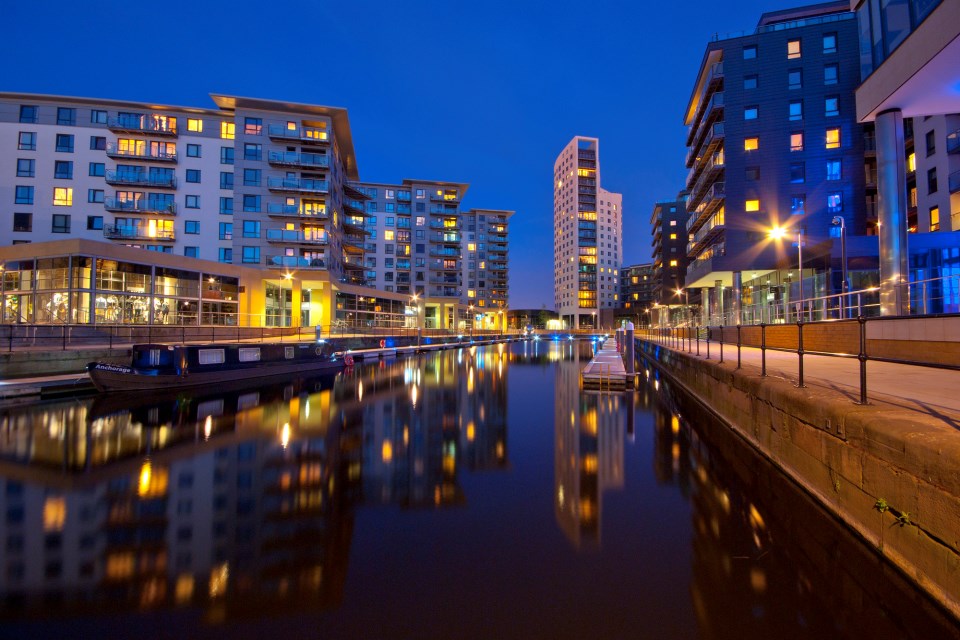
{"x": 471, "y": 293}
{"x": 796, "y": 141}
{"x": 934, "y": 220}
{"x": 835, "y": 203}
{"x": 673, "y": 263}
{"x": 228, "y": 130}
{"x": 912, "y": 162}
{"x": 793, "y": 49}
{"x": 751, "y": 144}
{"x": 389, "y": 234}
{"x": 63, "y": 196}
{"x": 673, "y": 236}
{"x": 752, "y": 205}
{"x": 194, "y": 124}
{"x": 119, "y": 565}
{"x": 54, "y": 513}
{"x": 471, "y": 246}
{"x": 833, "y": 138}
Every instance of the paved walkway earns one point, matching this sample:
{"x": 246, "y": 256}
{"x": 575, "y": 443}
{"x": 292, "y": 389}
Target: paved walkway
{"x": 927, "y": 390}
{"x": 606, "y": 367}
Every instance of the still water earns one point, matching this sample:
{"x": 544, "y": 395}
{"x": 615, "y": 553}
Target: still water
{"x": 475, "y": 493}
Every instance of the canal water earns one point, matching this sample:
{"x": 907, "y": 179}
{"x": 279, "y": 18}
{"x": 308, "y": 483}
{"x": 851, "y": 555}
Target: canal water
{"x": 473, "y": 493}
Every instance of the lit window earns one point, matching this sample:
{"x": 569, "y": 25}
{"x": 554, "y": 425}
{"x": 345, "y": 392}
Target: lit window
{"x": 752, "y": 205}
{"x": 194, "y": 124}
{"x": 835, "y": 202}
{"x": 798, "y": 205}
{"x": 673, "y": 236}
{"x": 833, "y": 138}
{"x": 796, "y": 141}
{"x": 63, "y": 196}
{"x": 471, "y": 246}
{"x": 54, "y": 513}
{"x": 793, "y": 49}
{"x": 389, "y": 234}
{"x": 934, "y": 218}
{"x": 228, "y": 130}
{"x": 833, "y": 169}
{"x": 471, "y": 293}
{"x": 911, "y": 162}
{"x": 673, "y": 263}
{"x": 751, "y": 144}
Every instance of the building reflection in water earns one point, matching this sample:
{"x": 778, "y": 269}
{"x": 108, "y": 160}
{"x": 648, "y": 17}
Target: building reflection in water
{"x": 588, "y": 447}
{"x": 238, "y": 503}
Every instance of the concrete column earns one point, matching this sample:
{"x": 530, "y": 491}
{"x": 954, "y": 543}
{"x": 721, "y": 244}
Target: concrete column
{"x": 892, "y": 199}
{"x": 737, "y": 306}
{"x": 704, "y": 306}
{"x": 719, "y": 286}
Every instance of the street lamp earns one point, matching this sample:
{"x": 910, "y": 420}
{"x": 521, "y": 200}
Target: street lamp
{"x": 594, "y": 320}
{"x": 838, "y": 220}
{"x": 283, "y": 299}
{"x": 473, "y": 319}
{"x": 778, "y": 233}
{"x": 684, "y": 295}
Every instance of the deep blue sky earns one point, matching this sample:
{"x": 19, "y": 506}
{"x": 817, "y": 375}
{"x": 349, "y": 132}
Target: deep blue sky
{"x": 480, "y": 92}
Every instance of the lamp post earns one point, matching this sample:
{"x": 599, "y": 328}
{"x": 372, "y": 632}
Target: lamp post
{"x": 778, "y": 233}
{"x": 844, "y": 287}
{"x": 283, "y": 299}
{"x": 472, "y": 320}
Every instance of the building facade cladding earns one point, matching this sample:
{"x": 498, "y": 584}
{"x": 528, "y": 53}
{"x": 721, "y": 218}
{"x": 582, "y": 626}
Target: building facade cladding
{"x": 637, "y": 287}
{"x": 587, "y": 236}
{"x": 773, "y": 141}
{"x": 669, "y": 248}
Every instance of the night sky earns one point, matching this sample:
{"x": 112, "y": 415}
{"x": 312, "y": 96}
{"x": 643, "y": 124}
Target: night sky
{"x": 481, "y": 92}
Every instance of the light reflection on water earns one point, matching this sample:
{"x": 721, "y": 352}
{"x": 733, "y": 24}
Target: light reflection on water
{"x": 393, "y": 501}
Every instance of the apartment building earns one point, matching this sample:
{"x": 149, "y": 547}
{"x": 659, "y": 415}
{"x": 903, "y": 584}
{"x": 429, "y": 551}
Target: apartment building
{"x": 773, "y": 144}
{"x": 668, "y": 224}
{"x": 637, "y": 286}
{"x": 588, "y": 242}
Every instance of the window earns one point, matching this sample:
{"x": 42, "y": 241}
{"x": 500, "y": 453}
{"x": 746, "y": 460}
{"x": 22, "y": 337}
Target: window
{"x": 831, "y": 74}
{"x": 98, "y": 116}
{"x": 98, "y": 143}
{"x": 253, "y": 126}
{"x": 796, "y": 110}
{"x": 673, "y": 263}
{"x": 751, "y": 144}
{"x": 225, "y": 255}
{"x": 931, "y": 140}
{"x": 23, "y": 195}
{"x": 833, "y": 138}
{"x": 191, "y": 252}
{"x": 29, "y": 113}
{"x": 95, "y": 196}
{"x": 795, "y": 79}
{"x": 94, "y": 223}
{"x": 833, "y": 169}
{"x": 226, "y": 206}
{"x": 388, "y": 194}
{"x": 753, "y": 173}
{"x": 192, "y": 202}
{"x": 252, "y": 151}
{"x": 750, "y": 52}
{"x": 191, "y": 227}
{"x": 752, "y": 205}
{"x": 228, "y": 130}
{"x": 66, "y": 116}
{"x": 251, "y": 177}
{"x": 27, "y": 141}
{"x": 421, "y": 194}
{"x": 96, "y": 169}
{"x": 23, "y": 222}
{"x": 751, "y": 82}
{"x": 193, "y": 175}
{"x": 226, "y": 180}
{"x": 193, "y": 151}
{"x": 251, "y": 255}
{"x": 751, "y": 112}
{"x": 912, "y": 162}
{"x": 226, "y": 155}
{"x": 226, "y": 231}
{"x": 829, "y": 43}
{"x": 251, "y": 228}
{"x": 934, "y": 218}
{"x": 793, "y": 49}
{"x": 932, "y": 180}
{"x": 65, "y": 143}
{"x": 797, "y": 205}
{"x": 835, "y": 202}
{"x": 195, "y": 125}
{"x": 798, "y": 172}
{"x": 831, "y": 106}
{"x": 251, "y": 203}
{"x": 63, "y": 170}
{"x": 26, "y": 167}
{"x": 390, "y": 207}
{"x": 61, "y": 223}
{"x": 796, "y": 141}
{"x": 62, "y": 197}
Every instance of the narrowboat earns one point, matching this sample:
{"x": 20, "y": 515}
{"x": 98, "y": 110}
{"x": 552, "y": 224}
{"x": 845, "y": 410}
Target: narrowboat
{"x": 164, "y": 366}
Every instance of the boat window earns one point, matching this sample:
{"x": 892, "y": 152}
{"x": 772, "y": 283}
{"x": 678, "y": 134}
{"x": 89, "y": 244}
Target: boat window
{"x": 288, "y": 353}
{"x": 210, "y": 356}
{"x": 154, "y": 357}
{"x": 250, "y": 354}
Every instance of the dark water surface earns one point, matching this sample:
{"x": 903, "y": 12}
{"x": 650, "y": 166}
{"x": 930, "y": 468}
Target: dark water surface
{"x": 464, "y": 494}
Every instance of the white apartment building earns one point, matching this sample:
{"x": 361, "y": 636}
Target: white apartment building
{"x": 588, "y": 241}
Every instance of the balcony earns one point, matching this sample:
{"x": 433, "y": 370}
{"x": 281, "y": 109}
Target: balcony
{"x": 953, "y": 182}
{"x": 448, "y": 198}
{"x": 443, "y": 226}
{"x": 146, "y": 154}
{"x": 296, "y": 262}
{"x": 297, "y": 237}
{"x": 439, "y": 265}
{"x": 354, "y": 244}
{"x": 141, "y": 180}
{"x": 439, "y": 252}
{"x": 708, "y": 111}
{"x": 305, "y": 135}
{"x": 496, "y": 247}
{"x": 298, "y": 185}
{"x": 953, "y": 142}
{"x": 444, "y": 292}
{"x": 450, "y": 237}
{"x": 712, "y": 171}
{"x": 496, "y": 266}
{"x": 446, "y": 280}
{"x": 140, "y": 206}
{"x": 294, "y": 159}
{"x": 712, "y": 200}
{"x": 138, "y": 233}
{"x": 153, "y": 125}
{"x": 354, "y": 208}
{"x": 706, "y": 236}
{"x": 703, "y": 147}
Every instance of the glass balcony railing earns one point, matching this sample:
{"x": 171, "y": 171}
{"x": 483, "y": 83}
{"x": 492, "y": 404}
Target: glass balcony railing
{"x": 294, "y": 159}
{"x": 299, "y": 262}
{"x": 140, "y": 206}
{"x": 297, "y": 132}
{"x": 152, "y": 124}
{"x": 142, "y": 153}
{"x": 117, "y": 232}
{"x": 141, "y": 179}
{"x": 953, "y": 142}
{"x": 300, "y": 237}
{"x": 300, "y": 185}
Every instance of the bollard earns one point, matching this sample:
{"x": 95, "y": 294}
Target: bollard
{"x": 862, "y": 357}
{"x": 629, "y": 349}
{"x": 708, "y": 342}
{"x": 739, "y": 345}
{"x": 698, "y": 341}
{"x": 800, "y": 352}
{"x": 763, "y": 349}
{"x": 721, "y": 344}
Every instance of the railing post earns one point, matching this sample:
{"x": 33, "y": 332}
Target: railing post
{"x": 63, "y": 335}
{"x": 708, "y": 341}
{"x": 698, "y": 340}
{"x": 862, "y": 357}
{"x": 763, "y": 349}
{"x": 721, "y": 344}
{"x": 800, "y": 352}
{"x": 739, "y": 344}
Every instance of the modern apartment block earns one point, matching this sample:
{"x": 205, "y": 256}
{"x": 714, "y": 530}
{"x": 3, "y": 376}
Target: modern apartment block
{"x": 262, "y": 183}
{"x": 773, "y": 142}
{"x": 637, "y": 285}
{"x": 587, "y": 225}
{"x": 668, "y": 223}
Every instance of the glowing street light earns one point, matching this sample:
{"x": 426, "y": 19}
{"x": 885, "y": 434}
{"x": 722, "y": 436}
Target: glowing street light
{"x": 778, "y": 233}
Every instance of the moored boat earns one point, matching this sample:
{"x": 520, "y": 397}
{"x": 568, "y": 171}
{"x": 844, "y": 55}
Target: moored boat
{"x": 163, "y": 366}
